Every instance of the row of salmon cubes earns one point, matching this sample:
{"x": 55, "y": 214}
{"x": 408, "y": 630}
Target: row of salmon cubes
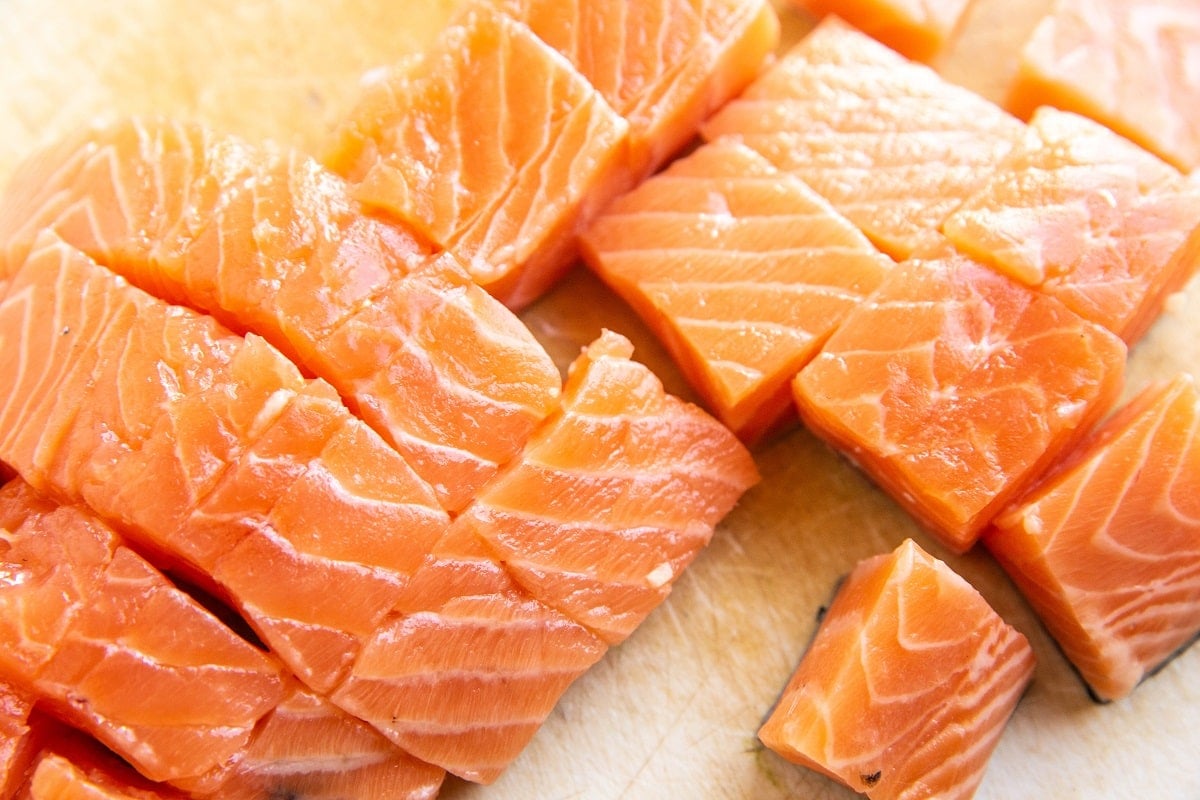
{"x": 361, "y": 554}
{"x": 964, "y": 369}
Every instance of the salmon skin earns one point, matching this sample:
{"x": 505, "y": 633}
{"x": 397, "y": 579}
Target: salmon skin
{"x": 907, "y": 685}
{"x": 1107, "y": 547}
{"x": 741, "y": 270}
{"x": 269, "y": 242}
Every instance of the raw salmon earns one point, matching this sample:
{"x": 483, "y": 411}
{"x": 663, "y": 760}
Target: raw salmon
{"x": 1107, "y": 549}
{"x": 492, "y": 146}
{"x": 213, "y": 452}
{"x": 581, "y": 520}
{"x": 907, "y": 686}
{"x": 917, "y": 29}
{"x": 268, "y": 241}
{"x": 306, "y": 747}
{"x": 892, "y": 145}
{"x": 1128, "y": 65}
{"x": 469, "y": 665}
{"x": 588, "y": 548}
{"x": 984, "y": 53}
{"x": 741, "y": 270}
{"x": 71, "y": 766}
{"x": 663, "y": 65}
{"x": 955, "y": 387}
{"x": 92, "y": 630}
{"x": 1086, "y": 216}
{"x": 17, "y": 746}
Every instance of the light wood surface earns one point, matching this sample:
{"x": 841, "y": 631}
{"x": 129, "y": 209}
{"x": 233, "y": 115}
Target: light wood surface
{"x": 673, "y": 711}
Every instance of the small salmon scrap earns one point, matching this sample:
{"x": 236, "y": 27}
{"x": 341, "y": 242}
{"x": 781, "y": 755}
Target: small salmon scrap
{"x": 907, "y": 686}
{"x": 1107, "y": 548}
{"x": 1087, "y": 216}
{"x": 955, "y": 387}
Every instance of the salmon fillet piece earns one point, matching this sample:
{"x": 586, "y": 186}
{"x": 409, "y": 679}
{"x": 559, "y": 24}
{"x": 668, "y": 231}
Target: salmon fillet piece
{"x": 306, "y": 747}
{"x": 1107, "y": 548}
{"x": 17, "y": 745}
{"x": 955, "y": 387}
{"x": 1130, "y": 66}
{"x": 491, "y": 146}
{"x": 1086, "y": 216}
{"x": 469, "y": 665}
{"x": 102, "y": 638}
{"x": 664, "y": 65}
{"x": 538, "y": 577}
{"x": 741, "y": 270}
{"x": 583, "y": 521}
{"x": 892, "y": 145}
{"x": 268, "y": 241}
{"x": 213, "y": 452}
{"x": 917, "y": 29}
{"x": 907, "y": 686}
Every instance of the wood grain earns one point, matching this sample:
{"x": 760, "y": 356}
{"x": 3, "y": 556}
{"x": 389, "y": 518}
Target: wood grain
{"x": 673, "y": 711}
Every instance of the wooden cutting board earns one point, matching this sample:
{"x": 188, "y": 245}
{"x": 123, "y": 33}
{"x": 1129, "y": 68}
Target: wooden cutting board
{"x": 673, "y": 711}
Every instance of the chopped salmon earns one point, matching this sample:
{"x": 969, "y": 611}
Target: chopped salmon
{"x": 892, "y": 145}
{"x": 741, "y": 270}
{"x": 491, "y": 146}
{"x": 1086, "y": 216}
{"x": 907, "y": 685}
{"x": 1107, "y": 548}
{"x": 956, "y": 387}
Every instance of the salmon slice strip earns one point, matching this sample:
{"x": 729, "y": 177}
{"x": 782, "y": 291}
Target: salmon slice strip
{"x": 58, "y": 778}
{"x": 892, "y": 145}
{"x": 17, "y": 744}
{"x": 614, "y": 495}
{"x": 103, "y": 639}
{"x": 1088, "y": 217}
{"x": 664, "y": 65}
{"x": 306, "y": 747}
{"x": 1127, "y": 65}
{"x": 1107, "y": 549}
{"x": 984, "y": 53}
{"x": 917, "y": 29}
{"x": 469, "y": 665}
{"x": 212, "y": 452}
{"x": 491, "y": 146}
{"x": 268, "y": 241}
{"x": 955, "y": 387}
{"x": 742, "y": 271}
{"x": 907, "y": 686}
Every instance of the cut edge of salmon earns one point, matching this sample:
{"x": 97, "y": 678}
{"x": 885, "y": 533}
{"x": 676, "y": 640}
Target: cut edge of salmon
{"x": 1079, "y": 516}
{"x": 952, "y": 706}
